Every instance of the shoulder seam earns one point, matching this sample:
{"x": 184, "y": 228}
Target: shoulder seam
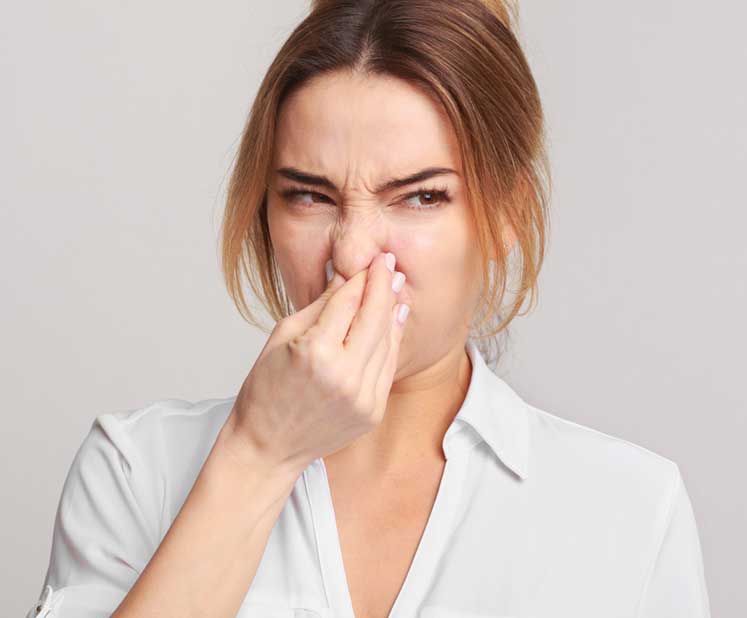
{"x": 599, "y": 432}
{"x": 183, "y": 406}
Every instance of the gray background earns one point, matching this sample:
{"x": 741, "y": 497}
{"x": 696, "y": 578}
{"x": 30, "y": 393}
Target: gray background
{"x": 119, "y": 122}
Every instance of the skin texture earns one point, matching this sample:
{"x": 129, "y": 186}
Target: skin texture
{"x": 360, "y": 131}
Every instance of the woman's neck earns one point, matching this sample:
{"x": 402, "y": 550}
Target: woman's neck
{"x": 419, "y": 410}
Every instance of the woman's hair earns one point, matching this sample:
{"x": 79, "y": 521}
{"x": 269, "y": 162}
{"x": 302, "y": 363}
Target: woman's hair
{"x": 466, "y": 57}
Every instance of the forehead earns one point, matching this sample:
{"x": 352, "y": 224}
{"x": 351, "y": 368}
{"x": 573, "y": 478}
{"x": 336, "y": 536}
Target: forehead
{"x": 344, "y": 123}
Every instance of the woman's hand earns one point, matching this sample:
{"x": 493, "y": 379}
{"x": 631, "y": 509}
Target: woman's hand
{"x": 324, "y": 375}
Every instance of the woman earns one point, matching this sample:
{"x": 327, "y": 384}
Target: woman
{"x": 372, "y": 464}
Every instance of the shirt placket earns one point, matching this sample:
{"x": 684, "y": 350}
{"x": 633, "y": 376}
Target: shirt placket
{"x": 439, "y": 527}
{"x": 429, "y": 551}
{"x": 327, "y": 541}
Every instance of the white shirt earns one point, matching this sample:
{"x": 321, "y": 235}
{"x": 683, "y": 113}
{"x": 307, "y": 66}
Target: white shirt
{"x": 535, "y": 517}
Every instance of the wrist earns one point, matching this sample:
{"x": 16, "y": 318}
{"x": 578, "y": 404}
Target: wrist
{"x": 237, "y": 456}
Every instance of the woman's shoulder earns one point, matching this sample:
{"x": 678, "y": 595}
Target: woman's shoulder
{"x": 577, "y": 455}
{"x": 165, "y": 433}
{"x": 623, "y": 499}
{"x": 161, "y": 447}
{"x": 127, "y": 481}
{"x": 162, "y": 422}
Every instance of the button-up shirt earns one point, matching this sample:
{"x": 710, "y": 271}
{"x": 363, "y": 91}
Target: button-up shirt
{"x": 536, "y": 516}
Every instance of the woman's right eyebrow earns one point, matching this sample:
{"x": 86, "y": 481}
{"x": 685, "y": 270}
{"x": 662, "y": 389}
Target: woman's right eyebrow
{"x": 307, "y": 178}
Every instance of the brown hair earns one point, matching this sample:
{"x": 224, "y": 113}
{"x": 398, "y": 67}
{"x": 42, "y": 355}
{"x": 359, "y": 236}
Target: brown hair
{"x": 464, "y": 55}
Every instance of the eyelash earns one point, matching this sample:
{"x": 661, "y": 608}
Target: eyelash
{"x": 439, "y": 193}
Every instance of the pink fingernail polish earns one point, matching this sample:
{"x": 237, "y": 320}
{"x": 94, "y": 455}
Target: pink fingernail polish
{"x": 402, "y": 313}
{"x": 329, "y": 270}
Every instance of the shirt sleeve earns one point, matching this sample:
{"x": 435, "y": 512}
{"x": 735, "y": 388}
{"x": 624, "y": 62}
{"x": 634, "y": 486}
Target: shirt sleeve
{"x": 676, "y": 585}
{"x": 102, "y": 538}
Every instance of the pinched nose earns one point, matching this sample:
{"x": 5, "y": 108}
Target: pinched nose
{"x": 402, "y": 296}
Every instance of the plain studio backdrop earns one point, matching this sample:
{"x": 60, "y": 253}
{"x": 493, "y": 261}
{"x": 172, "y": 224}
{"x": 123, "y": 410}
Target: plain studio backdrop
{"x": 118, "y": 124}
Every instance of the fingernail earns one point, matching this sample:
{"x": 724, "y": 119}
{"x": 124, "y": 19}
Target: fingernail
{"x": 329, "y": 270}
{"x": 398, "y": 281}
{"x": 402, "y": 313}
{"x": 390, "y": 261}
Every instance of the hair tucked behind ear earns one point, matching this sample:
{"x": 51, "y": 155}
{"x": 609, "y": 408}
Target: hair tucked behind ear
{"x": 466, "y": 56}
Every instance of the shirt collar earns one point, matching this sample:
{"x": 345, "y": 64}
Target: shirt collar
{"x": 497, "y": 413}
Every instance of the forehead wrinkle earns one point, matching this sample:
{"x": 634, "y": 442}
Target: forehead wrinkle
{"x": 326, "y": 135}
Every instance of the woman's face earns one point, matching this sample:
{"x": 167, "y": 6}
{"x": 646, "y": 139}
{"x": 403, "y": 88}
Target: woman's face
{"x": 360, "y": 133}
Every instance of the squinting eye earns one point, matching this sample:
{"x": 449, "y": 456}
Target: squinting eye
{"x": 439, "y": 196}
{"x": 434, "y": 198}
{"x": 292, "y": 194}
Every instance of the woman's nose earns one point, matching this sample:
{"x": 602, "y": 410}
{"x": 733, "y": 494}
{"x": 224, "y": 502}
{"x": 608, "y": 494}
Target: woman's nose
{"x": 398, "y": 278}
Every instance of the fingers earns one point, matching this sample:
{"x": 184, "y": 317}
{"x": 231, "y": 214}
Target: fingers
{"x": 339, "y": 312}
{"x": 305, "y": 318}
{"x": 354, "y": 313}
{"x": 384, "y": 377}
{"x": 372, "y": 371}
{"x": 374, "y": 316}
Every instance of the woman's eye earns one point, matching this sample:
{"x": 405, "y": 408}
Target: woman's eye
{"x": 432, "y": 198}
{"x": 293, "y": 195}
{"x": 422, "y": 199}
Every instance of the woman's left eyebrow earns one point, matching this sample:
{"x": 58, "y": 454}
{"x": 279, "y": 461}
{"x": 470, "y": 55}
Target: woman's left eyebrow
{"x": 307, "y": 178}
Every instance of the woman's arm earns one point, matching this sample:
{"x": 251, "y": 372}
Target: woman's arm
{"x": 108, "y": 547}
{"x": 208, "y": 558}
